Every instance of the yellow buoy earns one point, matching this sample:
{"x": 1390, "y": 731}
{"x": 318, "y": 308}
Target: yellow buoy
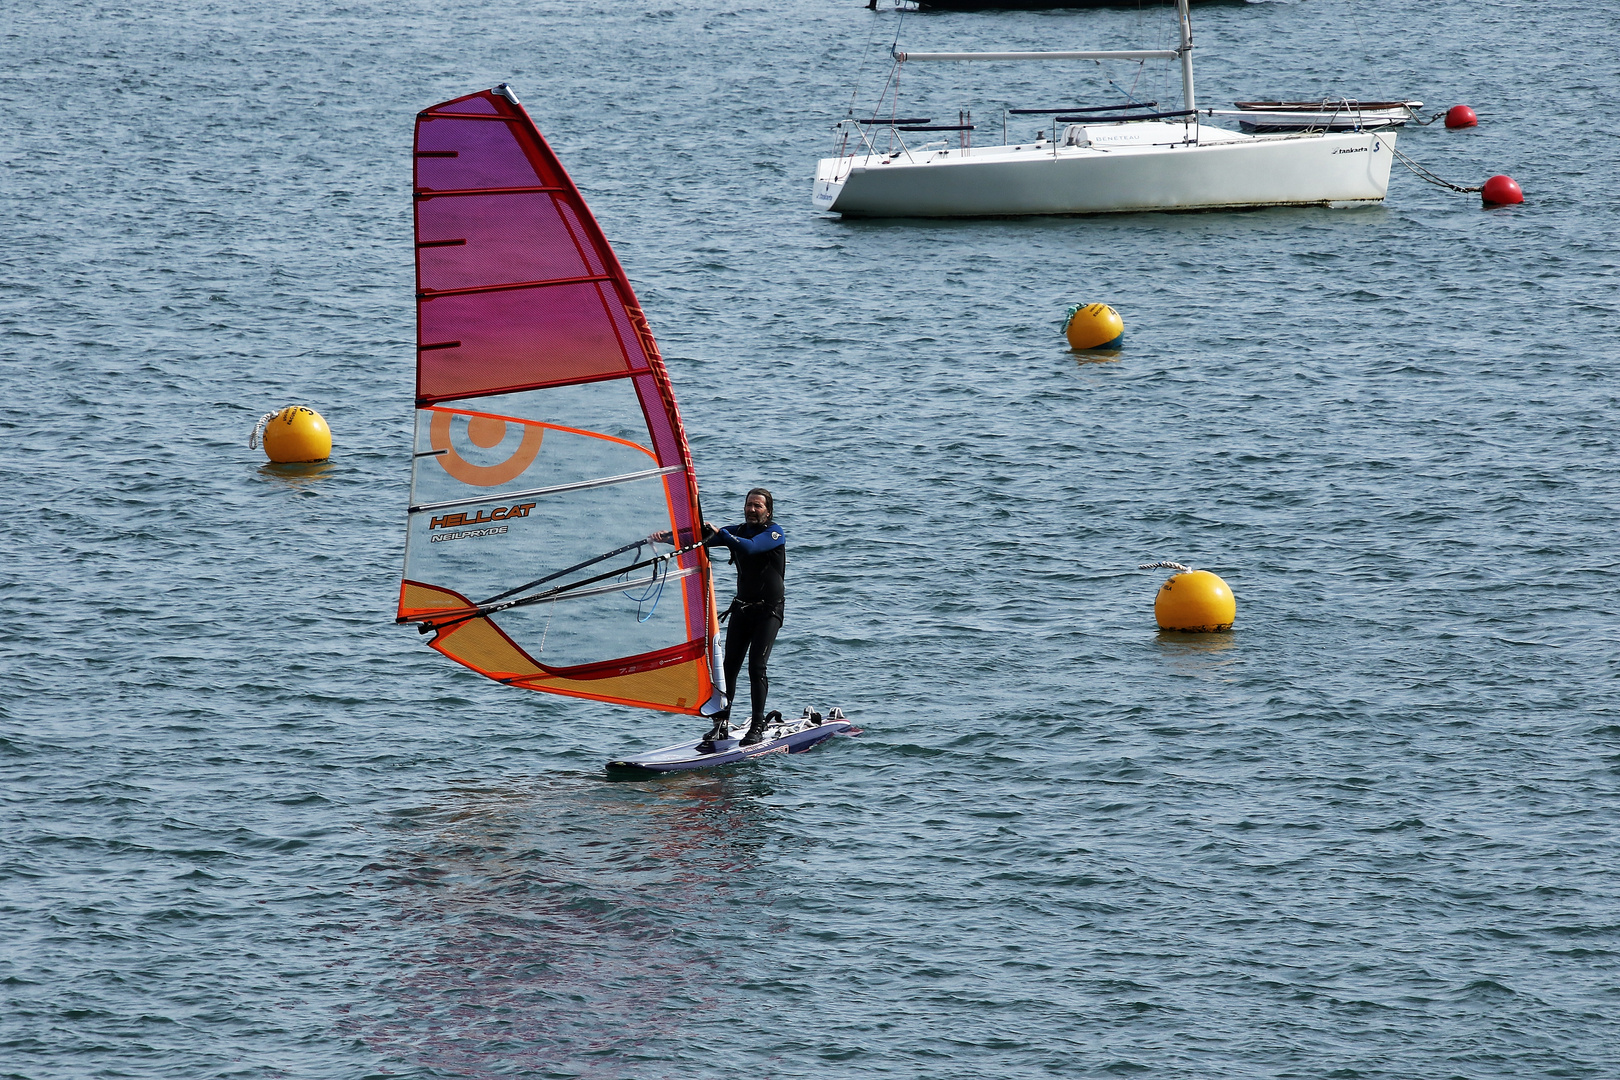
{"x": 1096, "y": 326}
{"x": 294, "y": 434}
{"x": 1194, "y": 602}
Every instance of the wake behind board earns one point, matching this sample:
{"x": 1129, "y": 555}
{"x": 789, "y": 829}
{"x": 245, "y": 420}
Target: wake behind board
{"x": 790, "y": 737}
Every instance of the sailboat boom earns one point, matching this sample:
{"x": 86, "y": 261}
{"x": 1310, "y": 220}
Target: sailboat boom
{"x": 1126, "y": 54}
{"x": 577, "y": 589}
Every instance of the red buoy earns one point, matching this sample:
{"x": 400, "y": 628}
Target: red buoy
{"x": 1501, "y": 191}
{"x": 1461, "y": 116}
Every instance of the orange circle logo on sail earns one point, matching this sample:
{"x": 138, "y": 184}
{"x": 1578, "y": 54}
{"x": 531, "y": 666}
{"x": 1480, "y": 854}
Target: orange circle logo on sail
{"x": 484, "y": 431}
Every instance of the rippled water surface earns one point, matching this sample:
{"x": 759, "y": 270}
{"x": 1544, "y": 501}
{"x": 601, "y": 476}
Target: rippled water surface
{"x": 250, "y": 828}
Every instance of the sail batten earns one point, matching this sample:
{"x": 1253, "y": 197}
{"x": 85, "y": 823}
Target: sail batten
{"x": 547, "y": 433}
{"x": 442, "y": 193}
{"x": 470, "y": 289}
{"x": 535, "y": 493}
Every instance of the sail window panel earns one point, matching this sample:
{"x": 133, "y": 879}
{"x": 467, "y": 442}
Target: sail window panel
{"x": 609, "y": 408}
{"x": 506, "y": 238}
{"x": 497, "y": 556}
{"x": 488, "y": 155}
{"x": 514, "y": 339}
{"x": 598, "y": 628}
{"x": 506, "y": 550}
{"x": 481, "y": 454}
{"x": 548, "y": 535}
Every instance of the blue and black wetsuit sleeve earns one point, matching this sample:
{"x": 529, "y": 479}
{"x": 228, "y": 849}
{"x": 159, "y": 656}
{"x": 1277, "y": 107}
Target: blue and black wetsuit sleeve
{"x": 769, "y": 538}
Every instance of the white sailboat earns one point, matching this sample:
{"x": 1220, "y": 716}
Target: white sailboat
{"x": 1142, "y": 161}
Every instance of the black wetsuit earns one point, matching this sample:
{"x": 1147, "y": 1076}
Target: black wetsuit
{"x": 760, "y": 552}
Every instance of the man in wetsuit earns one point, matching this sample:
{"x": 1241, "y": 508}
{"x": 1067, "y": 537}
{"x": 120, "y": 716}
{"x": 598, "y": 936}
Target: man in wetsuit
{"x": 759, "y": 549}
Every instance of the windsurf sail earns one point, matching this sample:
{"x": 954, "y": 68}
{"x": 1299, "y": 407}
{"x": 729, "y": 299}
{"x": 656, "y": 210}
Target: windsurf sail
{"x": 553, "y": 537}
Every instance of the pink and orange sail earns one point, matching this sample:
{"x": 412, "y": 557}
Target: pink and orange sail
{"x": 553, "y": 536}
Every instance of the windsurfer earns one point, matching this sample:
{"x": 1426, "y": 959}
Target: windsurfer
{"x": 759, "y": 550}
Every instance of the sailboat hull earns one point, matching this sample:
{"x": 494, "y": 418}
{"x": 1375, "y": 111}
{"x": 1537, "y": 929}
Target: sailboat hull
{"x": 1223, "y": 170}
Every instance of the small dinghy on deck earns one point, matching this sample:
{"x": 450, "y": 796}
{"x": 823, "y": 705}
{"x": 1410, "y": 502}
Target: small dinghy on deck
{"x": 1327, "y": 114}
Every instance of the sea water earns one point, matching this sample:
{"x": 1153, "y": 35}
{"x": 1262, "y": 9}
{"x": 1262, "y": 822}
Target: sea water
{"x": 252, "y": 829}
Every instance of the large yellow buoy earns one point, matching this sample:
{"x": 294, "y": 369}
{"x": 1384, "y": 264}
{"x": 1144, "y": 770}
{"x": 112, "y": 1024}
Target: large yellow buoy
{"x": 1193, "y": 601}
{"x": 1095, "y": 326}
{"x": 294, "y": 434}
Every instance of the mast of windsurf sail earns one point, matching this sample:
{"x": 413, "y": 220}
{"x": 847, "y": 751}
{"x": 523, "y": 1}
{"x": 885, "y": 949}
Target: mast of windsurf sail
{"x": 1182, "y": 53}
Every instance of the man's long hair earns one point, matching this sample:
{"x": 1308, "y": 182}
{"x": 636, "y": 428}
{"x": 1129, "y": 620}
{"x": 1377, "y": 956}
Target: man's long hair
{"x": 770, "y": 503}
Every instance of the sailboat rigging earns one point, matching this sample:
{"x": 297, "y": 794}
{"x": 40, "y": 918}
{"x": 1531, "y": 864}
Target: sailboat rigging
{"x": 1096, "y": 163}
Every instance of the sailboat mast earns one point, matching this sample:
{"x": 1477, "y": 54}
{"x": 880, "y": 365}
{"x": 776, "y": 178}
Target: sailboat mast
{"x": 1186, "y": 54}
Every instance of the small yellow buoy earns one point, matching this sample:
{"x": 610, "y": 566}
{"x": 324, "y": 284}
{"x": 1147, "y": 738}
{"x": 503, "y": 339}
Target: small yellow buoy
{"x": 1193, "y": 601}
{"x": 1096, "y": 326}
{"x": 294, "y": 434}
